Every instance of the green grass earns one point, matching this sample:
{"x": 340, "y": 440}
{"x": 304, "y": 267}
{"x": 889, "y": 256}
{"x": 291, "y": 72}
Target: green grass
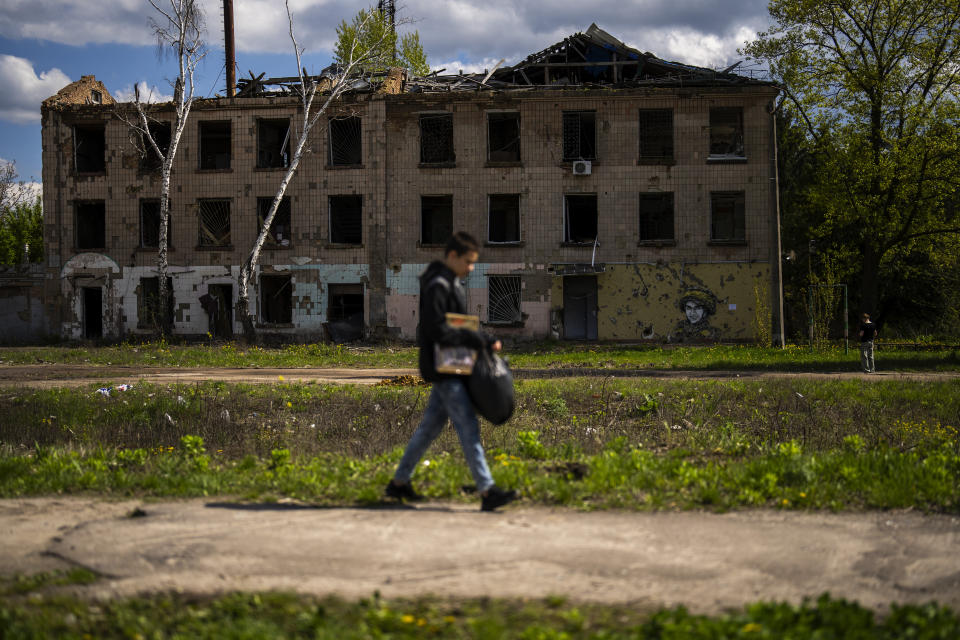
{"x": 522, "y": 356}
{"x": 586, "y": 443}
{"x": 280, "y": 615}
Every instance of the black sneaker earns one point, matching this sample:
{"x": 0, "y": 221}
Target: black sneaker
{"x": 497, "y": 497}
{"x": 402, "y": 491}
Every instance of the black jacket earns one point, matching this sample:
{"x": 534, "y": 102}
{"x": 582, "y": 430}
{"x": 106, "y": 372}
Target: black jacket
{"x": 440, "y": 293}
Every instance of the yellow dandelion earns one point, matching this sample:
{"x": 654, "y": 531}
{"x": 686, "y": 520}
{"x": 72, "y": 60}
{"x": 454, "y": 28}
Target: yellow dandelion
{"x": 785, "y": 502}
{"x": 803, "y": 495}
{"x": 421, "y": 622}
{"x": 289, "y": 405}
{"x": 407, "y": 619}
{"x": 751, "y": 627}
{"x": 449, "y": 619}
{"x": 280, "y": 378}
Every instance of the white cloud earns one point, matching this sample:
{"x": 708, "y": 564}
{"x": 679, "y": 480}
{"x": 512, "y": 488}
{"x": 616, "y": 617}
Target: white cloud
{"x": 24, "y": 90}
{"x": 148, "y": 94}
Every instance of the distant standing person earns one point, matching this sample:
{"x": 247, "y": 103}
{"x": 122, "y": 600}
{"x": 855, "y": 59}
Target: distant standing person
{"x": 441, "y": 292}
{"x": 868, "y": 331}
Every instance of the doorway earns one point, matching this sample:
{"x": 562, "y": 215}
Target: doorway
{"x": 580, "y": 307}
{"x": 92, "y": 312}
{"x": 221, "y": 305}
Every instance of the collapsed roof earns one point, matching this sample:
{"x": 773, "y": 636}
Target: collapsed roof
{"x": 590, "y": 59}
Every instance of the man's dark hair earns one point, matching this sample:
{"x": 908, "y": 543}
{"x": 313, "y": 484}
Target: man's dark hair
{"x": 460, "y": 243}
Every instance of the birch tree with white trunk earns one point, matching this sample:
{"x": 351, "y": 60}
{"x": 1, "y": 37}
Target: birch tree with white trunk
{"x": 179, "y": 32}
{"x": 362, "y": 52}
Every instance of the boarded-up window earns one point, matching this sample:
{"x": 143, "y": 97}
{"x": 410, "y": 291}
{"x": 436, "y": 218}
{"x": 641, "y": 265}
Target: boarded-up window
{"x": 503, "y": 299}
{"x": 90, "y": 225}
{"x": 273, "y": 143}
{"x": 503, "y": 137}
{"x": 150, "y": 161}
{"x": 579, "y": 135}
{"x": 727, "y": 219}
{"x": 503, "y": 224}
{"x": 436, "y": 138}
{"x": 346, "y": 148}
{"x": 346, "y": 219}
{"x": 276, "y": 299}
{"x": 580, "y": 218}
{"x": 89, "y": 148}
{"x": 726, "y": 132}
{"x": 436, "y": 219}
{"x": 656, "y": 134}
{"x": 214, "y": 220}
{"x": 279, "y": 234}
{"x": 148, "y": 303}
{"x": 150, "y": 225}
{"x": 215, "y": 145}
{"x": 656, "y": 217}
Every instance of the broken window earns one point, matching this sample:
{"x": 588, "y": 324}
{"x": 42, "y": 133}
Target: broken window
{"x": 503, "y": 137}
{"x": 345, "y": 312}
{"x": 273, "y": 143}
{"x": 656, "y": 134}
{"x": 579, "y": 135}
{"x": 346, "y": 219}
{"x": 90, "y": 223}
{"x": 150, "y": 224}
{"x": 89, "y": 148}
{"x": 727, "y": 221}
{"x": 503, "y": 223}
{"x": 148, "y": 303}
{"x": 345, "y": 142}
{"x": 436, "y": 219}
{"x": 656, "y": 217}
{"x": 503, "y": 299}
{"x": 279, "y": 234}
{"x": 150, "y": 161}
{"x": 96, "y": 97}
{"x": 214, "y": 218}
{"x": 580, "y": 218}
{"x": 436, "y": 138}
{"x": 215, "y": 145}
{"x": 276, "y": 299}
{"x": 726, "y": 132}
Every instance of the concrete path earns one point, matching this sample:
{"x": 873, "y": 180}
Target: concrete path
{"x": 707, "y": 562}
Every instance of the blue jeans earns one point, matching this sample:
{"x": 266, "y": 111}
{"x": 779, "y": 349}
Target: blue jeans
{"x": 866, "y": 357}
{"x": 448, "y": 399}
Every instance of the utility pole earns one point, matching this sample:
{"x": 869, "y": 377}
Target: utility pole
{"x": 389, "y": 9}
{"x": 228, "y": 49}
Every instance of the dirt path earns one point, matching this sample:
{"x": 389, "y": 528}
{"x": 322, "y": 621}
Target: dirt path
{"x": 48, "y": 375}
{"x": 707, "y": 562}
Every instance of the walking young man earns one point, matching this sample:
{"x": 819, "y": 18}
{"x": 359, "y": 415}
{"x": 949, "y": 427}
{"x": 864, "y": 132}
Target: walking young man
{"x": 868, "y": 331}
{"x": 441, "y": 292}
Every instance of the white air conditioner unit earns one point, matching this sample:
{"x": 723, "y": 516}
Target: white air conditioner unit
{"x": 581, "y": 167}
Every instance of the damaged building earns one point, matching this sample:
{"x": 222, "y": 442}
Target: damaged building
{"x": 618, "y": 196}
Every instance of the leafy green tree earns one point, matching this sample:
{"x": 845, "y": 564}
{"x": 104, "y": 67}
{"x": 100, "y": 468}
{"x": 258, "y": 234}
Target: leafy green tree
{"x": 875, "y": 84}
{"x": 379, "y": 43}
{"x": 21, "y": 226}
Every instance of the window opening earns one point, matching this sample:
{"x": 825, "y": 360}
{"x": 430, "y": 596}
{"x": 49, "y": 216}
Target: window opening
{"x": 150, "y": 224}
{"x": 346, "y": 219}
{"x": 279, "y": 233}
{"x": 656, "y": 134}
{"x": 273, "y": 144}
{"x": 345, "y": 141}
{"x": 726, "y": 132}
{"x": 215, "y": 145}
{"x": 148, "y": 303}
{"x": 345, "y": 312}
{"x": 727, "y": 220}
{"x": 580, "y": 218}
{"x": 96, "y": 97}
{"x": 656, "y": 216}
{"x": 503, "y": 302}
{"x": 91, "y": 225}
{"x": 436, "y": 138}
{"x": 436, "y": 219}
{"x": 214, "y": 216}
{"x": 579, "y": 135}
{"x": 504, "y": 218}
{"x": 89, "y": 148}
{"x": 503, "y": 137}
{"x": 149, "y": 160}
{"x": 276, "y": 299}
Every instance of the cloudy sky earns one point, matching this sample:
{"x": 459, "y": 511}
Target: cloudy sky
{"x": 46, "y": 44}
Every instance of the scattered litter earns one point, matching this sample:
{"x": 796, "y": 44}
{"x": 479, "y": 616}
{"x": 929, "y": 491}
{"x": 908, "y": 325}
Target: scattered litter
{"x": 676, "y": 427}
{"x": 403, "y": 381}
{"x": 225, "y": 415}
{"x": 180, "y": 400}
{"x": 169, "y": 419}
{"x": 313, "y": 425}
{"x": 799, "y": 395}
{"x": 124, "y": 387}
{"x": 426, "y": 463}
{"x": 104, "y": 391}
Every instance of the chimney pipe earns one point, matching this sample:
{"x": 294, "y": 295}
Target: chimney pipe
{"x": 228, "y": 50}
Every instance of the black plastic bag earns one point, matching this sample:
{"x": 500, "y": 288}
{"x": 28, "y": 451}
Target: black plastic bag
{"x": 491, "y": 387}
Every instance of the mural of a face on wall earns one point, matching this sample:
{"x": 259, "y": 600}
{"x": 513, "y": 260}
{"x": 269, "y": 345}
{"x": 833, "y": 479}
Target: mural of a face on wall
{"x": 697, "y": 305}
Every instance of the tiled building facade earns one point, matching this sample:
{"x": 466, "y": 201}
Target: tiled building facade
{"x": 641, "y": 212}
